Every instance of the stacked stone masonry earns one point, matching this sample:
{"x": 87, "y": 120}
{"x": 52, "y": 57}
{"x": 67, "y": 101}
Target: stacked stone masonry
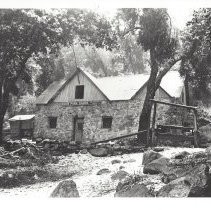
{"x": 125, "y": 116}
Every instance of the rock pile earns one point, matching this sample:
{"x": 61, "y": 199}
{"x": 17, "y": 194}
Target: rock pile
{"x": 184, "y": 175}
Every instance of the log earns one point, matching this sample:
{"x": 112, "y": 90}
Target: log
{"x": 22, "y": 149}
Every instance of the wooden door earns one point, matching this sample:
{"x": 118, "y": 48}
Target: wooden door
{"x": 79, "y": 124}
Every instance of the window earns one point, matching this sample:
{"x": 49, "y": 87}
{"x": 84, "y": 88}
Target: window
{"x": 107, "y": 121}
{"x": 79, "y": 92}
{"x": 52, "y": 122}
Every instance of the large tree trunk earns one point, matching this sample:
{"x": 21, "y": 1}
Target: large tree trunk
{"x": 1, "y": 130}
{"x": 3, "y": 108}
{"x": 144, "y": 119}
{"x": 152, "y": 85}
{"x": 4, "y": 101}
{"x": 1, "y": 95}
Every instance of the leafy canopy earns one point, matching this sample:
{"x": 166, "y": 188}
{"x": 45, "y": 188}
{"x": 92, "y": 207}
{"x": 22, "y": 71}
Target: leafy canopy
{"x": 156, "y": 33}
{"x": 197, "y": 37}
{"x": 27, "y": 33}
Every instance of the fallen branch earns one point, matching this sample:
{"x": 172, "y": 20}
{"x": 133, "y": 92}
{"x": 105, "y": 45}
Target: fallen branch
{"x": 11, "y": 154}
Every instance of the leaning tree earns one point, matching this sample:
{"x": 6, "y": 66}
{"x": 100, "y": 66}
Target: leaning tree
{"x": 27, "y": 33}
{"x": 157, "y": 37}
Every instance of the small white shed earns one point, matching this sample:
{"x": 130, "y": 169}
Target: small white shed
{"x": 22, "y": 126}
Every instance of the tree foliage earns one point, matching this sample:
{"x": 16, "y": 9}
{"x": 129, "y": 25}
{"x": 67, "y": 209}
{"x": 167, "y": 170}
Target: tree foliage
{"x": 156, "y": 36}
{"x": 31, "y": 33}
{"x": 198, "y": 66}
{"x": 157, "y": 33}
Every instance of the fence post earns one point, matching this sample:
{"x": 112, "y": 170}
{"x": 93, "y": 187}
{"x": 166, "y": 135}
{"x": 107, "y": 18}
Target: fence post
{"x": 153, "y": 125}
{"x": 148, "y": 129}
{"x": 195, "y": 128}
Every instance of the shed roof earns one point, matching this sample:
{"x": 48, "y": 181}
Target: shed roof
{"x": 118, "y": 87}
{"x": 22, "y": 117}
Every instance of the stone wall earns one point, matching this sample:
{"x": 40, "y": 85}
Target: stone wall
{"x": 125, "y": 118}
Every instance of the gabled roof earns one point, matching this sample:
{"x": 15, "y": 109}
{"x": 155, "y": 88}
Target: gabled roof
{"x": 116, "y": 88}
{"x": 120, "y": 87}
{"x": 50, "y": 92}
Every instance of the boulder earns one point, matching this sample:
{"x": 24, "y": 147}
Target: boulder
{"x": 179, "y": 167}
{"x": 178, "y": 188}
{"x": 149, "y": 156}
{"x": 121, "y": 167}
{"x": 119, "y": 175}
{"x": 99, "y": 152}
{"x": 181, "y": 155}
{"x": 208, "y": 152}
{"x": 38, "y": 140}
{"x": 115, "y": 161}
{"x": 129, "y": 161}
{"x": 158, "y": 149}
{"x": 136, "y": 190}
{"x": 156, "y": 166}
{"x": 103, "y": 171}
{"x": 205, "y": 133}
{"x": 84, "y": 151}
{"x": 198, "y": 176}
{"x": 175, "y": 171}
{"x": 117, "y": 153}
{"x": 65, "y": 189}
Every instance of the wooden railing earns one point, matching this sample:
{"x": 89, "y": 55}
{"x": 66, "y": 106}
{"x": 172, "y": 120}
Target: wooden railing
{"x": 155, "y": 102}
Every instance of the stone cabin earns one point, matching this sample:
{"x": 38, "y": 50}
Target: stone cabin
{"x": 85, "y": 108}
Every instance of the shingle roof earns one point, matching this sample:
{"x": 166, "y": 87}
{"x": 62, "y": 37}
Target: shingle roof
{"x": 50, "y": 92}
{"x": 118, "y": 87}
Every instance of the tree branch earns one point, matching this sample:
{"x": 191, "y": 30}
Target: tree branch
{"x": 174, "y": 61}
{"x": 168, "y": 66}
{"x": 131, "y": 29}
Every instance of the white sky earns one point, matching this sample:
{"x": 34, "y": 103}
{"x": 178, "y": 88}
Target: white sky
{"x": 179, "y": 16}
{"x": 179, "y": 10}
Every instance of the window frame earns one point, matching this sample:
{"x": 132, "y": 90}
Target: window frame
{"x": 78, "y": 92}
{"x": 104, "y": 124}
{"x": 50, "y": 123}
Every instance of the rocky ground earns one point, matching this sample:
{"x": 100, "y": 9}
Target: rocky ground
{"x": 85, "y": 169}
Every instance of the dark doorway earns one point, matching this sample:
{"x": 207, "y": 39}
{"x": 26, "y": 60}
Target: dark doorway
{"x": 78, "y": 125}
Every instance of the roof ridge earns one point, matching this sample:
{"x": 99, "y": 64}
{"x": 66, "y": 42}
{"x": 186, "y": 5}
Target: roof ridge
{"x": 119, "y": 87}
{"x": 119, "y": 76}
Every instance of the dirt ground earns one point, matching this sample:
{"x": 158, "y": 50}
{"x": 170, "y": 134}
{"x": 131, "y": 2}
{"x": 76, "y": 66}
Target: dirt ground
{"x": 85, "y": 168}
